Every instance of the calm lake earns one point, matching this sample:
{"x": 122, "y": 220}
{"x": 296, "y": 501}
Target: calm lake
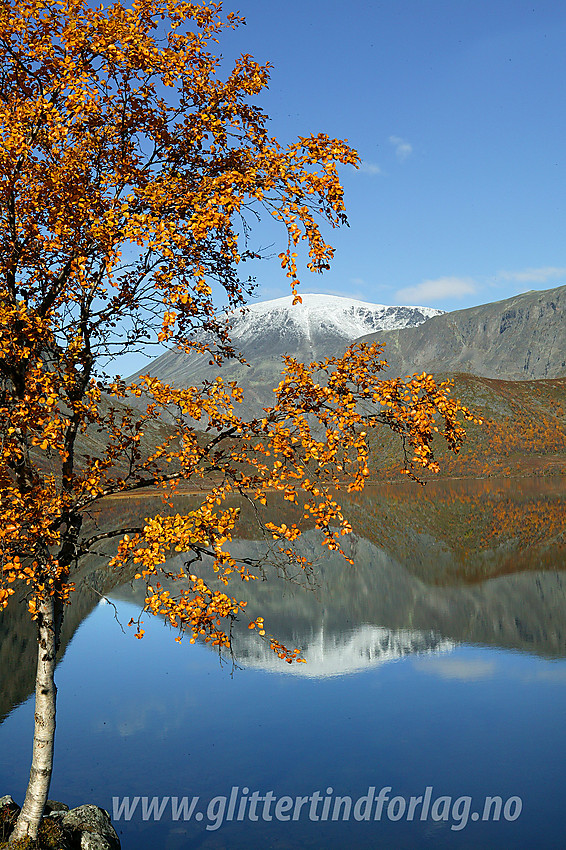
{"x": 435, "y": 678}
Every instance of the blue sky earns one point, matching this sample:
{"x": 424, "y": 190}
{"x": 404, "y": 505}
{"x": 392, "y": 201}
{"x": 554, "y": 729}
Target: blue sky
{"x": 457, "y": 108}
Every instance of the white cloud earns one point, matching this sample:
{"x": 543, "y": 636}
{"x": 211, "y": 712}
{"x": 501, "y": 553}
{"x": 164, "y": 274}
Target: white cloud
{"x": 457, "y": 668}
{"x": 541, "y": 275}
{"x": 403, "y": 149}
{"x": 371, "y": 168}
{"x": 441, "y": 287}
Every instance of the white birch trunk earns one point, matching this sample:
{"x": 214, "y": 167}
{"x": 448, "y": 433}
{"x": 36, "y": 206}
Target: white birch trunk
{"x": 29, "y": 818}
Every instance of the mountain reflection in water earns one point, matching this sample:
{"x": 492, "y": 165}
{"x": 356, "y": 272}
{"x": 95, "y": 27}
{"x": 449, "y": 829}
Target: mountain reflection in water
{"x": 408, "y": 681}
{"x": 351, "y": 617}
{"x": 461, "y": 561}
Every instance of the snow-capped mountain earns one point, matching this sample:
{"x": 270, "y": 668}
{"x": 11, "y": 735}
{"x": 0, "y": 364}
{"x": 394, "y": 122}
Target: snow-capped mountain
{"x": 322, "y": 326}
{"x": 320, "y": 319}
{"x": 338, "y": 655}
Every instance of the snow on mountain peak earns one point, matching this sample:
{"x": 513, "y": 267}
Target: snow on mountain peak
{"x": 330, "y": 314}
{"x": 322, "y": 326}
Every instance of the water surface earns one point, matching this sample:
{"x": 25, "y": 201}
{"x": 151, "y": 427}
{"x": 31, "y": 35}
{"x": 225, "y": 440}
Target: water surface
{"x": 440, "y": 667}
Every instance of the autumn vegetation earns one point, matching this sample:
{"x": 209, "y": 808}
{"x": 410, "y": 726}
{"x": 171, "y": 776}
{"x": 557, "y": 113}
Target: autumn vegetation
{"x": 131, "y": 175}
{"x": 523, "y": 432}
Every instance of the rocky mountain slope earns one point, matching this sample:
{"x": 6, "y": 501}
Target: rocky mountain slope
{"x": 520, "y": 338}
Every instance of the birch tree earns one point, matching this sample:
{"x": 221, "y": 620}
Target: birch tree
{"x": 131, "y": 174}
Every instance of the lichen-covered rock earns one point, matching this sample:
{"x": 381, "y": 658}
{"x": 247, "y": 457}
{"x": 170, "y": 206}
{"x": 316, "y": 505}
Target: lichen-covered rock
{"x": 9, "y": 811}
{"x": 54, "y": 806}
{"x": 95, "y": 841}
{"x": 97, "y": 832}
{"x": 86, "y": 827}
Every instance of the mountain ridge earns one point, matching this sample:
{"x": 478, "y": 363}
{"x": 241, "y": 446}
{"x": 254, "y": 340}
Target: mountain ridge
{"x": 517, "y": 338}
